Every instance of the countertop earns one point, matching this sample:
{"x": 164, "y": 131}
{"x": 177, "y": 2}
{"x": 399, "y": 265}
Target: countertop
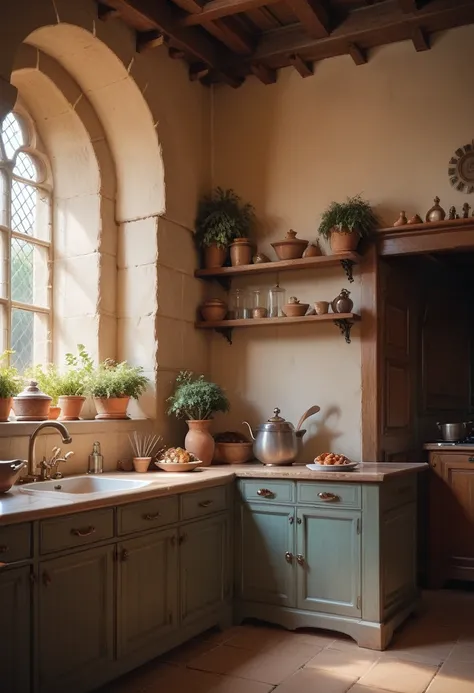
{"x": 447, "y": 447}
{"x": 17, "y": 505}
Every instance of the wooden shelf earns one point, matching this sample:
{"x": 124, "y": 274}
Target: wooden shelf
{"x": 449, "y": 235}
{"x": 343, "y": 320}
{"x": 225, "y": 274}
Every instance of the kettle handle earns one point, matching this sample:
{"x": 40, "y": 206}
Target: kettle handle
{"x": 250, "y": 429}
{"x": 309, "y": 412}
{"x": 438, "y": 424}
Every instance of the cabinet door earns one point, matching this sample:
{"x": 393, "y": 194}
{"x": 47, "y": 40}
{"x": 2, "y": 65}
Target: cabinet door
{"x": 328, "y": 561}
{"x": 147, "y": 607}
{"x": 204, "y": 571}
{"x": 458, "y": 530}
{"x": 15, "y": 630}
{"x": 265, "y": 561}
{"x": 76, "y": 620}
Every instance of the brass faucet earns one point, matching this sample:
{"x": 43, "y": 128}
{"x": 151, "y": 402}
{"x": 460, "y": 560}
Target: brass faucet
{"x": 66, "y": 438}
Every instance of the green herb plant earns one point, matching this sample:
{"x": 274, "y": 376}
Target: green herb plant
{"x": 221, "y": 218}
{"x": 72, "y": 382}
{"x": 353, "y": 216}
{"x": 112, "y": 379}
{"x": 11, "y": 382}
{"x": 195, "y": 398}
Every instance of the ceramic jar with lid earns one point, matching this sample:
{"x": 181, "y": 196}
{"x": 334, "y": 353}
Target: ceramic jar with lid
{"x": 32, "y": 404}
{"x": 276, "y": 301}
{"x": 241, "y": 252}
{"x": 290, "y": 248}
{"x": 342, "y": 303}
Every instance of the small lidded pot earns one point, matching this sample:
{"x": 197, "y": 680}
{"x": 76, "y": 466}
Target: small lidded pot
{"x": 32, "y": 404}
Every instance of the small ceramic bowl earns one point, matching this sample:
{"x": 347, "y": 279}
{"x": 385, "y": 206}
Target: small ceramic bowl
{"x": 177, "y": 466}
{"x": 9, "y": 473}
{"x": 295, "y": 310}
{"x": 213, "y": 310}
{"x": 321, "y": 307}
{"x": 233, "y": 453}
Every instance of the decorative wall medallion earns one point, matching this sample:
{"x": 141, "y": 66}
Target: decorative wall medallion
{"x": 461, "y": 169}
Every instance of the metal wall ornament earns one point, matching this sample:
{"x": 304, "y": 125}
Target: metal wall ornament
{"x": 461, "y": 169}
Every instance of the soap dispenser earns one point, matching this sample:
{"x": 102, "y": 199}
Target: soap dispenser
{"x": 96, "y": 460}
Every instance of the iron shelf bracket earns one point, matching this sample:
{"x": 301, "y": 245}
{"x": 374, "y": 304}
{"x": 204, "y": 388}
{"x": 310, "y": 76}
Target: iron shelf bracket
{"x": 345, "y": 326}
{"x": 347, "y": 266}
{"x": 226, "y": 332}
{"x": 225, "y": 282}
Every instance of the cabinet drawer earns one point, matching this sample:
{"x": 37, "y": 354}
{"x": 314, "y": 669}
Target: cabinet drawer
{"x": 148, "y": 514}
{"x": 205, "y": 502}
{"x": 399, "y": 492}
{"x": 267, "y": 490}
{"x": 76, "y": 530}
{"x": 322, "y": 494}
{"x": 15, "y": 543}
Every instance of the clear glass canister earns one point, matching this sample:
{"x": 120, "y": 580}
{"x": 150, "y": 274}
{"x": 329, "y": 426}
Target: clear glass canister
{"x": 259, "y": 304}
{"x": 276, "y": 301}
{"x": 238, "y": 304}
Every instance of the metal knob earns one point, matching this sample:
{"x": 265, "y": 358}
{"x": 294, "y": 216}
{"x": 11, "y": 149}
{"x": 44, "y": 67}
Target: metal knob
{"x": 470, "y": 459}
{"x": 265, "y": 493}
{"x": 300, "y": 559}
{"x": 289, "y": 557}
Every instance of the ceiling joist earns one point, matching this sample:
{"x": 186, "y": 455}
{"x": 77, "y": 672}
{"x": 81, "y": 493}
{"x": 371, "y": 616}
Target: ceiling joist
{"x": 148, "y": 39}
{"x": 104, "y": 12}
{"x": 264, "y": 74}
{"x": 420, "y": 40}
{"x": 215, "y": 9}
{"x": 304, "y": 68}
{"x": 312, "y": 16}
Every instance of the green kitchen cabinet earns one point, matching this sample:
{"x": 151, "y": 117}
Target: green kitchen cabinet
{"x": 265, "y": 554}
{"x": 76, "y": 620}
{"x": 15, "y": 630}
{"x": 146, "y": 590}
{"x": 328, "y": 560}
{"x": 204, "y": 567}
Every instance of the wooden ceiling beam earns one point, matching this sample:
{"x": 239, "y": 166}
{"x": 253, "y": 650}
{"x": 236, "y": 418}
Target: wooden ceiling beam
{"x": 175, "y": 53}
{"x": 198, "y": 71}
{"x": 312, "y": 15}
{"x": 264, "y": 73}
{"x": 104, "y": 12}
{"x": 304, "y": 68}
{"x": 421, "y": 41}
{"x": 148, "y": 39}
{"x": 375, "y": 25}
{"x": 162, "y": 16}
{"x": 215, "y": 9}
{"x": 230, "y": 33}
{"x": 357, "y": 54}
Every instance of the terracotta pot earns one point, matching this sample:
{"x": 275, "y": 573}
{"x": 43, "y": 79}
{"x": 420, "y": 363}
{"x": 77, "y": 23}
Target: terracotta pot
{"x": 241, "y": 252}
{"x": 233, "y": 453}
{"x": 111, "y": 407}
{"x": 313, "y": 250}
{"x": 215, "y": 309}
{"x": 199, "y": 441}
{"x": 214, "y": 256}
{"x": 344, "y": 242}
{"x": 295, "y": 310}
{"x": 290, "y": 248}
{"x": 71, "y": 406}
{"x": 321, "y": 307}
{"x": 141, "y": 464}
{"x": 54, "y": 412}
{"x": 5, "y": 407}
{"x": 31, "y": 404}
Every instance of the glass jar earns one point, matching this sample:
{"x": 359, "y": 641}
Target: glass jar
{"x": 259, "y": 304}
{"x": 238, "y": 303}
{"x": 276, "y": 301}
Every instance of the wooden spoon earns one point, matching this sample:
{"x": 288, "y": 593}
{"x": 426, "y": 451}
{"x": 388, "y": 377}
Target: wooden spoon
{"x": 309, "y": 412}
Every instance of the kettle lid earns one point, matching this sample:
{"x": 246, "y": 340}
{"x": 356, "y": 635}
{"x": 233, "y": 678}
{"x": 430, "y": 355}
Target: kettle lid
{"x": 276, "y": 423}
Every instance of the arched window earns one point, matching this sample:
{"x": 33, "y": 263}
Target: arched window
{"x": 25, "y": 244}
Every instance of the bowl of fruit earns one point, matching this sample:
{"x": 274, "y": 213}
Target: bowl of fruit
{"x": 232, "y": 447}
{"x": 332, "y": 462}
{"x": 177, "y": 460}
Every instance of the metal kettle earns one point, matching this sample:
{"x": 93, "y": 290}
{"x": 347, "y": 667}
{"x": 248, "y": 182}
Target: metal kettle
{"x": 276, "y": 442}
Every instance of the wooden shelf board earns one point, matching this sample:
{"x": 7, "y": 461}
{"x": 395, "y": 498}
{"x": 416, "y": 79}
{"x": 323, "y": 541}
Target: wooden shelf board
{"x": 276, "y": 322}
{"x": 278, "y": 266}
{"x": 449, "y": 235}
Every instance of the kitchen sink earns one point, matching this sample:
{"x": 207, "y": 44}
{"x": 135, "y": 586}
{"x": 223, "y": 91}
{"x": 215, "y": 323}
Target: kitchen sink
{"x": 77, "y": 485}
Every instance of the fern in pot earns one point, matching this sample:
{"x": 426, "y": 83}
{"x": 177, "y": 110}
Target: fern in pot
{"x": 112, "y": 385}
{"x": 345, "y": 223}
{"x": 221, "y": 218}
{"x": 196, "y": 400}
{"x": 10, "y": 385}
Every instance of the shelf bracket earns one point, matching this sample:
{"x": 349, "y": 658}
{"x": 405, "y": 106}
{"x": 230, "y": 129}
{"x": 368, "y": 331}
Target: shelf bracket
{"x": 345, "y": 326}
{"x": 347, "y": 266}
{"x": 225, "y": 282}
{"x": 226, "y": 332}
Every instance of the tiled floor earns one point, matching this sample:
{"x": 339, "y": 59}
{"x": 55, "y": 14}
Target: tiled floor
{"x": 433, "y": 652}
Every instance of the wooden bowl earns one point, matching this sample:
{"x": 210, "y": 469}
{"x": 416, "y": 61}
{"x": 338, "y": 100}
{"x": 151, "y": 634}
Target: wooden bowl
{"x": 233, "y": 453}
{"x": 290, "y": 248}
{"x": 295, "y": 310}
{"x": 213, "y": 310}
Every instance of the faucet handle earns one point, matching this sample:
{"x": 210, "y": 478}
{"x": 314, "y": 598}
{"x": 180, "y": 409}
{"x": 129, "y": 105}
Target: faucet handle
{"x": 57, "y": 461}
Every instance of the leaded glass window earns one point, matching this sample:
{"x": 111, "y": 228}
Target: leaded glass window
{"x": 25, "y": 236}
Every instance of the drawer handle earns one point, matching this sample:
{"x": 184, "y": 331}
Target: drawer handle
{"x": 289, "y": 557}
{"x": 4, "y": 548}
{"x": 86, "y": 532}
{"x": 300, "y": 559}
{"x": 205, "y": 504}
{"x": 46, "y": 579}
{"x": 291, "y": 519}
{"x": 470, "y": 459}
{"x": 151, "y": 516}
{"x": 265, "y": 493}
{"x": 328, "y": 497}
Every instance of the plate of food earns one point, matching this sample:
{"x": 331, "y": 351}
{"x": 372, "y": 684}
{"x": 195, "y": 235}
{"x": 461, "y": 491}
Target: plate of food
{"x": 331, "y": 462}
{"x": 177, "y": 460}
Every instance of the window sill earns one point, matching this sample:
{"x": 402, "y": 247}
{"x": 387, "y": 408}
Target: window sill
{"x": 26, "y": 428}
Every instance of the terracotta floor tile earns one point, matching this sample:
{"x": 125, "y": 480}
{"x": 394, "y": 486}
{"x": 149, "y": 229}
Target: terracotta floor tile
{"x": 353, "y": 663}
{"x": 419, "y": 644}
{"x": 454, "y": 677}
{"x": 256, "y": 638}
{"x": 315, "y": 681}
{"x": 185, "y": 653}
{"x": 182, "y": 680}
{"x": 400, "y": 676}
{"x": 257, "y": 666}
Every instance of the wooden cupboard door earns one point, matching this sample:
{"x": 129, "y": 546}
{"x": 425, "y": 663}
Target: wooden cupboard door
{"x": 459, "y": 518}
{"x": 76, "y": 620}
{"x": 265, "y": 562}
{"x": 146, "y": 590}
{"x": 15, "y": 630}
{"x": 204, "y": 567}
{"x": 329, "y": 561}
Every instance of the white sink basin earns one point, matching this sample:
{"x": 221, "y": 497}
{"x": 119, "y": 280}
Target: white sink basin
{"x": 84, "y": 485}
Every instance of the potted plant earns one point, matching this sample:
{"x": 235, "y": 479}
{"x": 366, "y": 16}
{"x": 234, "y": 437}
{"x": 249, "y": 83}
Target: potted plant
{"x": 48, "y": 379}
{"x": 10, "y": 385}
{"x": 112, "y": 385}
{"x": 196, "y": 400}
{"x": 345, "y": 223}
{"x": 221, "y": 218}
